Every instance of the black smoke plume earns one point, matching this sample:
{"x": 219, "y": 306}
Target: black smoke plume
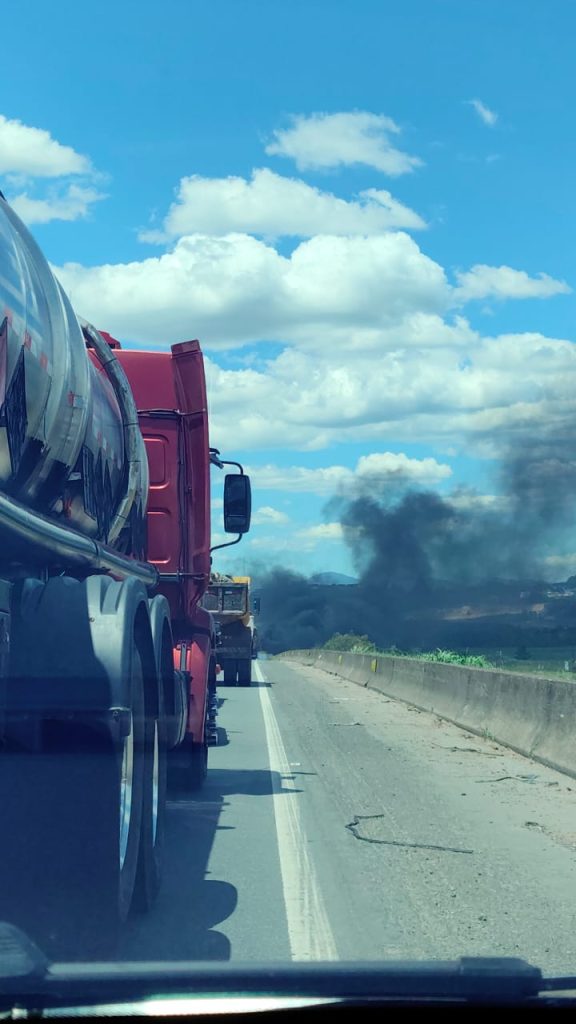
{"x": 437, "y": 571}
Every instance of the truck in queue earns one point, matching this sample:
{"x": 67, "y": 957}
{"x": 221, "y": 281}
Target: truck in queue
{"x": 107, "y": 657}
{"x": 229, "y": 600}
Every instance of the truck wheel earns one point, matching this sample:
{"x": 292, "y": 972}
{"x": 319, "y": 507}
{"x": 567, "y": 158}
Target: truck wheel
{"x": 132, "y": 761}
{"x": 72, "y": 809}
{"x": 229, "y": 673}
{"x": 198, "y": 765}
{"x": 188, "y": 766}
{"x": 244, "y": 672}
{"x": 153, "y": 812}
{"x": 212, "y": 683}
{"x": 212, "y": 712}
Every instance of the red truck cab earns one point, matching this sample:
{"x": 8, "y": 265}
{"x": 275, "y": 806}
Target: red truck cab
{"x": 170, "y": 393}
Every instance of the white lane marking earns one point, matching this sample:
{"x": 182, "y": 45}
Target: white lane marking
{"x": 309, "y": 929}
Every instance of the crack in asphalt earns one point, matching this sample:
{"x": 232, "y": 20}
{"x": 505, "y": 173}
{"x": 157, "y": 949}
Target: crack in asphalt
{"x": 358, "y": 818}
{"x": 512, "y": 778}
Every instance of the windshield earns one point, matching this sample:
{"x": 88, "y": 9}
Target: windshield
{"x": 347, "y": 735}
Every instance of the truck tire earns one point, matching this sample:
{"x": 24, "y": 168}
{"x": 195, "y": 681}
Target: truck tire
{"x": 198, "y": 763}
{"x": 212, "y": 712}
{"x": 244, "y": 672}
{"x": 73, "y": 810}
{"x": 229, "y": 672}
{"x": 149, "y": 871}
{"x": 133, "y": 759}
{"x": 188, "y": 766}
{"x": 198, "y": 766}
{"x": 212, "y": 675}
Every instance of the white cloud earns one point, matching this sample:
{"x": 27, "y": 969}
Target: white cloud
{"x": 482, "y": 394}
{"x": 33, "y": 152}
{"x": 292, "y": 545}
{"x": 28, "y": 157}
{"x": 370, "y": 348}
{"x": 470, "y": 500}
{"x": 329, "y": 480}
{"x": 486, "y": 115}
{"x": 343, "y": 139}
{"x": 268, "y": 516}
{"x": 272, "y": 205}
{"x": 267, "y": 542}
{"x": 361, "y": 293}
{"x": 368, "y": 353}
{"x": 72, "y": 204}
{"x": 234, "y": 289}
{"x": 379, "y": 465}
{"x": 482, "y": 282}
{"x": 308, "y": 538}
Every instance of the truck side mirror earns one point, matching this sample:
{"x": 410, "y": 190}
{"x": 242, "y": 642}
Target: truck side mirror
{"x": 256, "y": 605}
{"x": 237, "y": 503}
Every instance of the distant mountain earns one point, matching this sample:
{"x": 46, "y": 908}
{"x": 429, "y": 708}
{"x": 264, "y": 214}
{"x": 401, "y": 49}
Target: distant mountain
{"x": 333, "y": 579}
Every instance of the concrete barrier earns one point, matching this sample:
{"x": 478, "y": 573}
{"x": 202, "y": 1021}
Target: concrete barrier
{"x": 530, "y": 714}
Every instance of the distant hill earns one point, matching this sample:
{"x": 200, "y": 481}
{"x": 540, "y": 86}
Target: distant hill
{"x": 333, "y": 579}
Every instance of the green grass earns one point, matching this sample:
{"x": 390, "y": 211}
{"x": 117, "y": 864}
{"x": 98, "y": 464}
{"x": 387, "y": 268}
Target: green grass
{"x": 558, "y": 662}
{"x": 355, "y": 644}
{"x": 351, "y": 643}
{"x": 455, "y": 658}
{"x": 542, "y": 661}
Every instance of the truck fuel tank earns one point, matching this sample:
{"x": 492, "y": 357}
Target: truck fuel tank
{"x": 63, "y": 430}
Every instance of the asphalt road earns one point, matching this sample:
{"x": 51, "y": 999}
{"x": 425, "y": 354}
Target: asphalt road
{"x": 338, "y": 824}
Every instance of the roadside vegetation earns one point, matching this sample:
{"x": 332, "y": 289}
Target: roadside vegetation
{"x": 353, "y": 643}
{"x": 548, "y": 662}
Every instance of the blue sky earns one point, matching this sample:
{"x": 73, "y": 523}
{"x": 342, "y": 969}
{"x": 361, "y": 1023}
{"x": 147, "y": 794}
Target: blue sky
{"x": 370, "y": 300}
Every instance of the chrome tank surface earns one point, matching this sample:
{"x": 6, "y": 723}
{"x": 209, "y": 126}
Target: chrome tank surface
{"x": 62, "y": 442}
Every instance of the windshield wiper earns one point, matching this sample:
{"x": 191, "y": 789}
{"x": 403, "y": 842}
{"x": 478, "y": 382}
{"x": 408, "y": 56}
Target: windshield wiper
{"x": 30, "y": 981}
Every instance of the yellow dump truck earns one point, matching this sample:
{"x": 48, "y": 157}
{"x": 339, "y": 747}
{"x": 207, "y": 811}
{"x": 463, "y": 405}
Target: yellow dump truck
{"x": 229, "y": 601}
